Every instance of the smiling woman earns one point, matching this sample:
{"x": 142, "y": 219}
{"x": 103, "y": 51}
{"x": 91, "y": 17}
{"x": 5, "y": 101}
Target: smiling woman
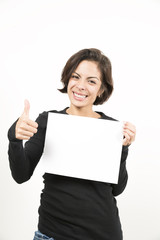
{"x": 87, "y": 78}
{"x": 96, "y": 65}
{"x": 83, "y": 88}
{"x": 72, "y": 208}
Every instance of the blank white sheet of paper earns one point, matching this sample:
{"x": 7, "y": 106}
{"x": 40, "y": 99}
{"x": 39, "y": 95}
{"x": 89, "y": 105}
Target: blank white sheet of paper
{"x": 83, "y": 147}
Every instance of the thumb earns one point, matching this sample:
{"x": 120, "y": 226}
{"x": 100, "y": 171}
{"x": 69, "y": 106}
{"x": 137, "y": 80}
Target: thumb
{"x": 26, "y": 107}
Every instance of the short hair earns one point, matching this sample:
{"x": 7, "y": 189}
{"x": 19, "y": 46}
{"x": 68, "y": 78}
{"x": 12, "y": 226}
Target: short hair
{"x": 103, "y": 64}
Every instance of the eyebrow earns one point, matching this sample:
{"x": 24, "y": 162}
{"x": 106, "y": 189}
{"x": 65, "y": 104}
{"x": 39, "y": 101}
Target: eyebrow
{"x": 88, "y": 77}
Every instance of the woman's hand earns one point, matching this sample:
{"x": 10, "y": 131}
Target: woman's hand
{"x": 25, "y": 128}
{"x": 129, "y": 132}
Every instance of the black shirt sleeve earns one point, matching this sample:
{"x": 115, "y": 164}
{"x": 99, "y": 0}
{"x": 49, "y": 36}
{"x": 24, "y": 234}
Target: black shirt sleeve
{"x": 123, "y": 175}
{"x": 23, "y": 160}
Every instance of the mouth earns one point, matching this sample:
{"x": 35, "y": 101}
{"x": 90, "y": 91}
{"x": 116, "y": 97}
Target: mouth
{"x": 79, "y": 96}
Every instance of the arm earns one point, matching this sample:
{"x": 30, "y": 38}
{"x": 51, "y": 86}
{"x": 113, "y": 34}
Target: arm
{"x": 129, "y": 131}
{"x": 123, "y": 176}
{"x": 23, "y": 160}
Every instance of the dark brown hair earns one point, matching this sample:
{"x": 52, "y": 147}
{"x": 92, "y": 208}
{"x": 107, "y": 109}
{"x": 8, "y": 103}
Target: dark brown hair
{"x": 104, "y": 65}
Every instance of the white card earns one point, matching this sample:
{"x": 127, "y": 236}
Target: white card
{"x": 83, "y": 147}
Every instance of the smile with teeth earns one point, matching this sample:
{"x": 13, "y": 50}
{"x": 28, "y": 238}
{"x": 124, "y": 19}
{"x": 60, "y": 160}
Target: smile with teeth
{"x": 79, "y": 96}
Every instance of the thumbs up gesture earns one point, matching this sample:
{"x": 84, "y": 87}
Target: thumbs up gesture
{"x": 25, "y": 128}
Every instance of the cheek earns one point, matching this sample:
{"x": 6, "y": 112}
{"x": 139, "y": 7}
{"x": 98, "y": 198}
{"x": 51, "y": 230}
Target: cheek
{"x": 71, "y": 84}
{"x": 96, "y": 91}
{"x": 100, "y": 89}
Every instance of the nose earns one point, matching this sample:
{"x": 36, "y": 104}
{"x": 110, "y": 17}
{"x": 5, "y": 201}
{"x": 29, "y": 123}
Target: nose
{"x": 81, "y": 85}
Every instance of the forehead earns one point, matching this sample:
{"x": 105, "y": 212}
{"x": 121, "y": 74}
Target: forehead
{"x": 88, "y": 68}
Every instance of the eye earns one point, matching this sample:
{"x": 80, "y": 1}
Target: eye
{"x": 92, "y": 81}
{"x": 74, "y": 76}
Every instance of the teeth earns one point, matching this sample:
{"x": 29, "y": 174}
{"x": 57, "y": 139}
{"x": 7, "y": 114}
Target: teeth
{"x": 80, "y": 96}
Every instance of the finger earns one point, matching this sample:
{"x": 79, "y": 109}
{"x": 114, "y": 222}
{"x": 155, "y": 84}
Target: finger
{"x": 28, "y": 128}
{"x": 125, "y": 142}
{"x": 131, "y": 127}
{"x": 129, "y": 132}
{"x": 126, "y": 136}
{"x": 26, "y": 108}
{"x": 25, "y": 126}
{"x": 31, "y": 123}
{"x": 21, "y": 137}
{"x": 23, "y": 133}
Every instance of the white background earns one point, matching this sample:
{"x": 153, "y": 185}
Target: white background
{"x": 36, "y": 39}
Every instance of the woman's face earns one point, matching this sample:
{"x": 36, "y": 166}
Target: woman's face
{"x": 84, "y": 85}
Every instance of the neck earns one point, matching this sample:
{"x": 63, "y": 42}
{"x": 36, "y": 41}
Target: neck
{"x": 82, "y": 112}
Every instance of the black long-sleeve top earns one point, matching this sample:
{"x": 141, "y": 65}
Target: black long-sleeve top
{"x": 71, "y": 208}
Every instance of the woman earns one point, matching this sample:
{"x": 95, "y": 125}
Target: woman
{"x": 71, "y": 208}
